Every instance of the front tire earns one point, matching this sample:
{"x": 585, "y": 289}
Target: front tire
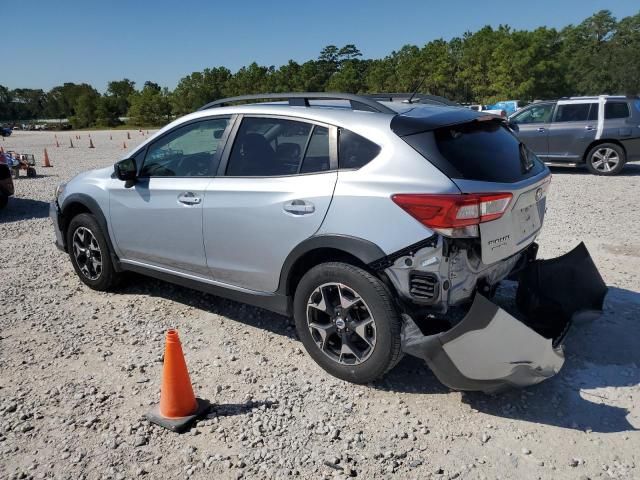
{"x": 89, "y": 253}
{"x": 347, "y": 322}
{"x": 606, "y": 159}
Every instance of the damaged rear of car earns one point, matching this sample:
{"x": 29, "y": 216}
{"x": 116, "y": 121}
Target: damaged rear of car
{"x": 481, "y": 236}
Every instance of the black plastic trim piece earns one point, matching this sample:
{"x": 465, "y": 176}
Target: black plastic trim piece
{"x": 388, "y": 260}
{"x": 96, "y": 211}
{"x": 407, "y": 124}
{"x": 364, "y": 250}
{"x": 357, "y": 102}
{"x": 273, "y": 302}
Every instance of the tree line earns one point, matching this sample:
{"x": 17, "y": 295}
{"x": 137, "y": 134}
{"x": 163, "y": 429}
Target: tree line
{"x": 599, "y": 55}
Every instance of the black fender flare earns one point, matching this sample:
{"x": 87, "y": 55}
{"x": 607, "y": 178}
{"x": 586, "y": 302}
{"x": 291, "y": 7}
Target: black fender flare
{"x": 92, "y": 205}
{"x": 364, "y": 250}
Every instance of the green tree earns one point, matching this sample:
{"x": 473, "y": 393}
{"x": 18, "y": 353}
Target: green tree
{"x": 150, "y": 107}
{"x": 120, "y": 91}
{"x": 85, "y": 110}
{"x": 199, "y": 88}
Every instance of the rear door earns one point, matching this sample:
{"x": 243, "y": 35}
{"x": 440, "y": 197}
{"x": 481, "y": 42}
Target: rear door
{"x": 532, "y": 127}
{"x": 573, "y": 128}
{"x": 274, "y": 187}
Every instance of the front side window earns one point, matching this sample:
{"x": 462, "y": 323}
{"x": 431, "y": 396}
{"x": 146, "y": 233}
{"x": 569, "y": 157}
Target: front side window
{"x": 614, "y": 110}
{"x": 535, "y": 114}
{"x": 267, "y": 147}
{"x": 188, "y": 151}
{"x": 573, "y": 112}
{"x": 355, "y": 151}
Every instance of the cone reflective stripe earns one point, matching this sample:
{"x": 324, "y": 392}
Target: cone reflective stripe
{"x": 179, "y": 407}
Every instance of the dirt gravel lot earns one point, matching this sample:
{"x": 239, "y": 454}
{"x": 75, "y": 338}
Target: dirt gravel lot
{"x": 79, "y": 369}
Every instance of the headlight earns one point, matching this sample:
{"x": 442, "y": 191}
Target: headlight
{"x": 59, "y": 190}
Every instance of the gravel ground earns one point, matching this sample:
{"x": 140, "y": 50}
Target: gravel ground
{"x": 81, "y": 368}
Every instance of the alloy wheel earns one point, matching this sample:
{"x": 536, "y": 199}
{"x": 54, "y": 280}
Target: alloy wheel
{"x": 605, "y": 159}
{"x": 87, "y": 253}
{"x": 341, "y": 323}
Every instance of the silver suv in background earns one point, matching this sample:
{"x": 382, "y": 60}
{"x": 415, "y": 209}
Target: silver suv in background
{"x": 602, "y": 132}
{"x": 367, "y": 221}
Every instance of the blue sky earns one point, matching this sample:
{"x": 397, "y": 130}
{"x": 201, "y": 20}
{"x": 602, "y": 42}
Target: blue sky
{"x": 48, "y": 43}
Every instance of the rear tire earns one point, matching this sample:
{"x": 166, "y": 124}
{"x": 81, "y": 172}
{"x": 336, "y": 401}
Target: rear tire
{"x": 340, "y": 308}
{"x": 90, "y": 254}
{"x": 606, "y": 159}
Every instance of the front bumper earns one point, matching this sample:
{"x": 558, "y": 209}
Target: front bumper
{"x": 490, "y": 350}
{"x": 54, "y": 215}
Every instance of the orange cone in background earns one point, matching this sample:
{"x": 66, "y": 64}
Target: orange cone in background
{"x": 1, "y": 151}
{"x": 70, "y": 143}
{"x": 91, "y": 143}
{"x": 128, "y": 136}
{"x": 124, "y": 145}
{"x": 57, "y": 144}
{"x": 45, "y": 161}
{"x": 179, "y": 407}
{"x": 110, "y": 137}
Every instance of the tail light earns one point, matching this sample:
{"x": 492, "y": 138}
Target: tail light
{"x": 455, "y": 215}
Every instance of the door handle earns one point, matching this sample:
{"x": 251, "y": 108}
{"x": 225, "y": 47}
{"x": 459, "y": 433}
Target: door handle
{"x": 189, "y": 198}
{"x": 299, "y": 207}
{"x": 541, "y": 129}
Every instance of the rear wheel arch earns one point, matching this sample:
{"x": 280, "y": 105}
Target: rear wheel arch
{"x": 322, "y": 249}
{"x": 600, "y": 141}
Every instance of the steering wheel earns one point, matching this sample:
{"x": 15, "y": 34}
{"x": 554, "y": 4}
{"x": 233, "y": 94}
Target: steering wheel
{"x": 196, "y": 165}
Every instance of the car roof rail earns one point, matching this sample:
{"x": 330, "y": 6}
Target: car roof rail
{"x": 415, "y": 98}
{"x": 301, "y": 99}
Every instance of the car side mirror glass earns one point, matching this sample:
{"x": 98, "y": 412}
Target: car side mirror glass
{"x": 126, "y": 169}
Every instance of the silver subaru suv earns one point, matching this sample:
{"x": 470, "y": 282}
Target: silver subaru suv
{"x": 365, "y": 220}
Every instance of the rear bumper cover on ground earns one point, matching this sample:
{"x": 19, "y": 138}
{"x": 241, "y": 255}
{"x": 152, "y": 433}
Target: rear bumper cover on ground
{"x": 490, "y": 349}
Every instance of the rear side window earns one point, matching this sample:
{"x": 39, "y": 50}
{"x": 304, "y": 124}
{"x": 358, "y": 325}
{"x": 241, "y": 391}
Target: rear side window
{"x": 355, "y": 151}
{"x": 266, "y": 147}
{"x": 572, "y": 112}
{"x": 616, "y": 110}
{"x": 483, "y": 151}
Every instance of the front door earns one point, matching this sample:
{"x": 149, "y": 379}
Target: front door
{"x": 275, "y": 187}
{"x": 158, "y": 221}
{"x": 573, "y": 129}
{"x": 533, "y": 127}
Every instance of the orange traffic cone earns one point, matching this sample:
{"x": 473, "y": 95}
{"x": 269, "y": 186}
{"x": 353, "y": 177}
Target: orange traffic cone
{"x": 91, "y": 143}
{"x": 57, "y": 143}
{"x": 45, "y": 161}
{"x": 1, "y": 151}
{"x": 124, "y": 145}
{"x": 110, "y": 137}
{"x": 179, "y": 407}
{"x": 128, "y": 136}
{"x": 70, "y": 143}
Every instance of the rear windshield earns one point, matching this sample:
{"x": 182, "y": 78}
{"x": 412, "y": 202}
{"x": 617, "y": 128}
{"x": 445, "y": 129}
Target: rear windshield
{"x": 485, "y": 151}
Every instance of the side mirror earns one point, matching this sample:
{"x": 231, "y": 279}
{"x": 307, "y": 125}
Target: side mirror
{"x": 126, "y": 170}
{"x": 513, "y": 125}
